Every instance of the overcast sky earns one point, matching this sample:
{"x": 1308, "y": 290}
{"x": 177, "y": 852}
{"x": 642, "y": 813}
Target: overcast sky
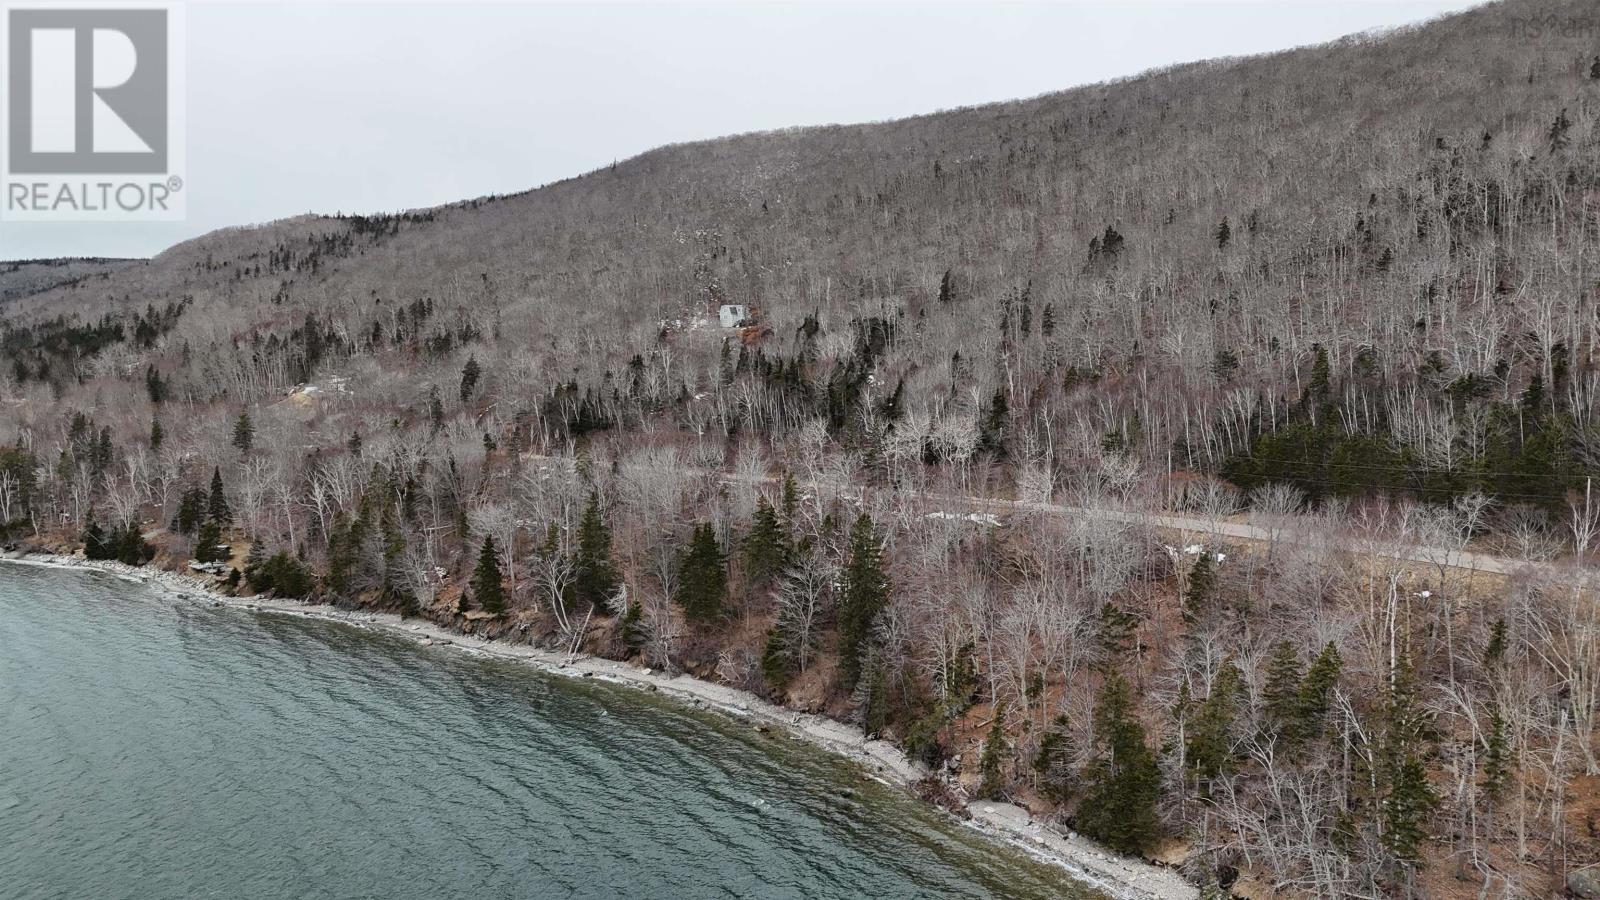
{"x": 359, "y": 107}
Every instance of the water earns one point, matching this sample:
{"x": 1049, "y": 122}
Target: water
{"x": 152, "y": 747}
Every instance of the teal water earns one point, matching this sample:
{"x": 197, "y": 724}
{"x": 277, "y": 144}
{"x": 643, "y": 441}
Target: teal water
{"x": 152, "y": 747}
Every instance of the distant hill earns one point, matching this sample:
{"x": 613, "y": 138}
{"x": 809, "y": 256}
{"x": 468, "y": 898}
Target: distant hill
{"x": 20, "y": 278}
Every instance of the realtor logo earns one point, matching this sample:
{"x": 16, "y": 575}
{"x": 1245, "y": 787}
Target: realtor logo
{"x": 91, "y": 130}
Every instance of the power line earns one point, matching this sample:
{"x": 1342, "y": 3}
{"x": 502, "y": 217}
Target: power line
{"x": 1303, "y": 479}
{"x": 1296, "y": 462}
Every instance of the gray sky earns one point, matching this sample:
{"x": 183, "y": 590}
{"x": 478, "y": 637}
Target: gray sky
{"x": 359, "y": 107}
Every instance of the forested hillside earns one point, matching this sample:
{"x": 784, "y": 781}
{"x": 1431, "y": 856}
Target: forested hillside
{"x": 1354, "y": 284}
{"x": 20, "y": 278}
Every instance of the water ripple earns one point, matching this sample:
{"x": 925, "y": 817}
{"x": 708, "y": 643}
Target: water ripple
{"x": 155, "y": 748}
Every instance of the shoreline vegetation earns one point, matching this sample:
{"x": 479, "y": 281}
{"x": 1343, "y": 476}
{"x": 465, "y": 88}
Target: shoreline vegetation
{"x": 1098, "y": 867}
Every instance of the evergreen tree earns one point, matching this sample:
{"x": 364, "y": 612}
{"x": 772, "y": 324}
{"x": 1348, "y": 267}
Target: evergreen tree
{"x": 992, "y": 430}
{"x": 1118, "y": 633}
{"x": 208, "y": 545}
{"x": 777, "y": 662}
{"x": 487, "y": 588}
{"x": 345, "y": 540}
{"x": 79, "y": 433}
{"x": 154, "y": 385}
{"x": 20, "y": 467}
{"x": 960, "y": 682}
{"x": 66, "y": 465}
{"x": 435, "y": 410}
{"x": 1558, "y": 131}
{"x": 256, "y": 558}
{"x": 1495, "y": 764}
{"x": 1495, "y": 653}
{"x": 1112, "y": 242}
{"x": 873, "y": 695}
{"x": 217, "y": 502}
{"x": 548, "y": 551}
{"x": 102, "y": 454}
{"x": 725, "y": 363}
{"x": 702, "y": 576}
{"x": 866, "y": 592}
{"x": 1594, "y": 69}
{"x": 766, "y": 547}
{"x": 244, "y": 433}
{"x": 191, "y": 511}
{"x": 1053, "y": 763}
{"x": 130, "y": 546}
{"x": 1224, "y": 363}
{"x": 947, "y": 289}
{"x": 594, "y": 580}
{"x": 156, "y": 434}
{"x": 893, "y": 407}
{"x": 991, "y": 765}
{"x": 392, "y": 545}
{"x": 1183, "y": 707}
{"x": 634, "y": 635}
{"x": 1321, "y": 384}
{"x": 1210, "y": 737}
{"x": 469, "y": 378}
{"x": 282, "y": 575}
{"x": 94, "y": 540}
{"x": 1316, "y": 692}
{"x": 1202, "y": 584}
{"x": 925, "y": 737}
{"x": 1281, "y": 694}
{"x": 791, "y": 497}
{"x": 1533, "y": 398}
{"x": 1408, "y": 800}
{"x": 1223, "y": 234}
{"x": 1123, "y": 781}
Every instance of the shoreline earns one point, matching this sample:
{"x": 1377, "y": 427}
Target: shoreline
{"x": 1096, "y": 866}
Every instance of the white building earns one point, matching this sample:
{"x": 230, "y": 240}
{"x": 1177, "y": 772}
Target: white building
{"x": 732, "y": 314}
